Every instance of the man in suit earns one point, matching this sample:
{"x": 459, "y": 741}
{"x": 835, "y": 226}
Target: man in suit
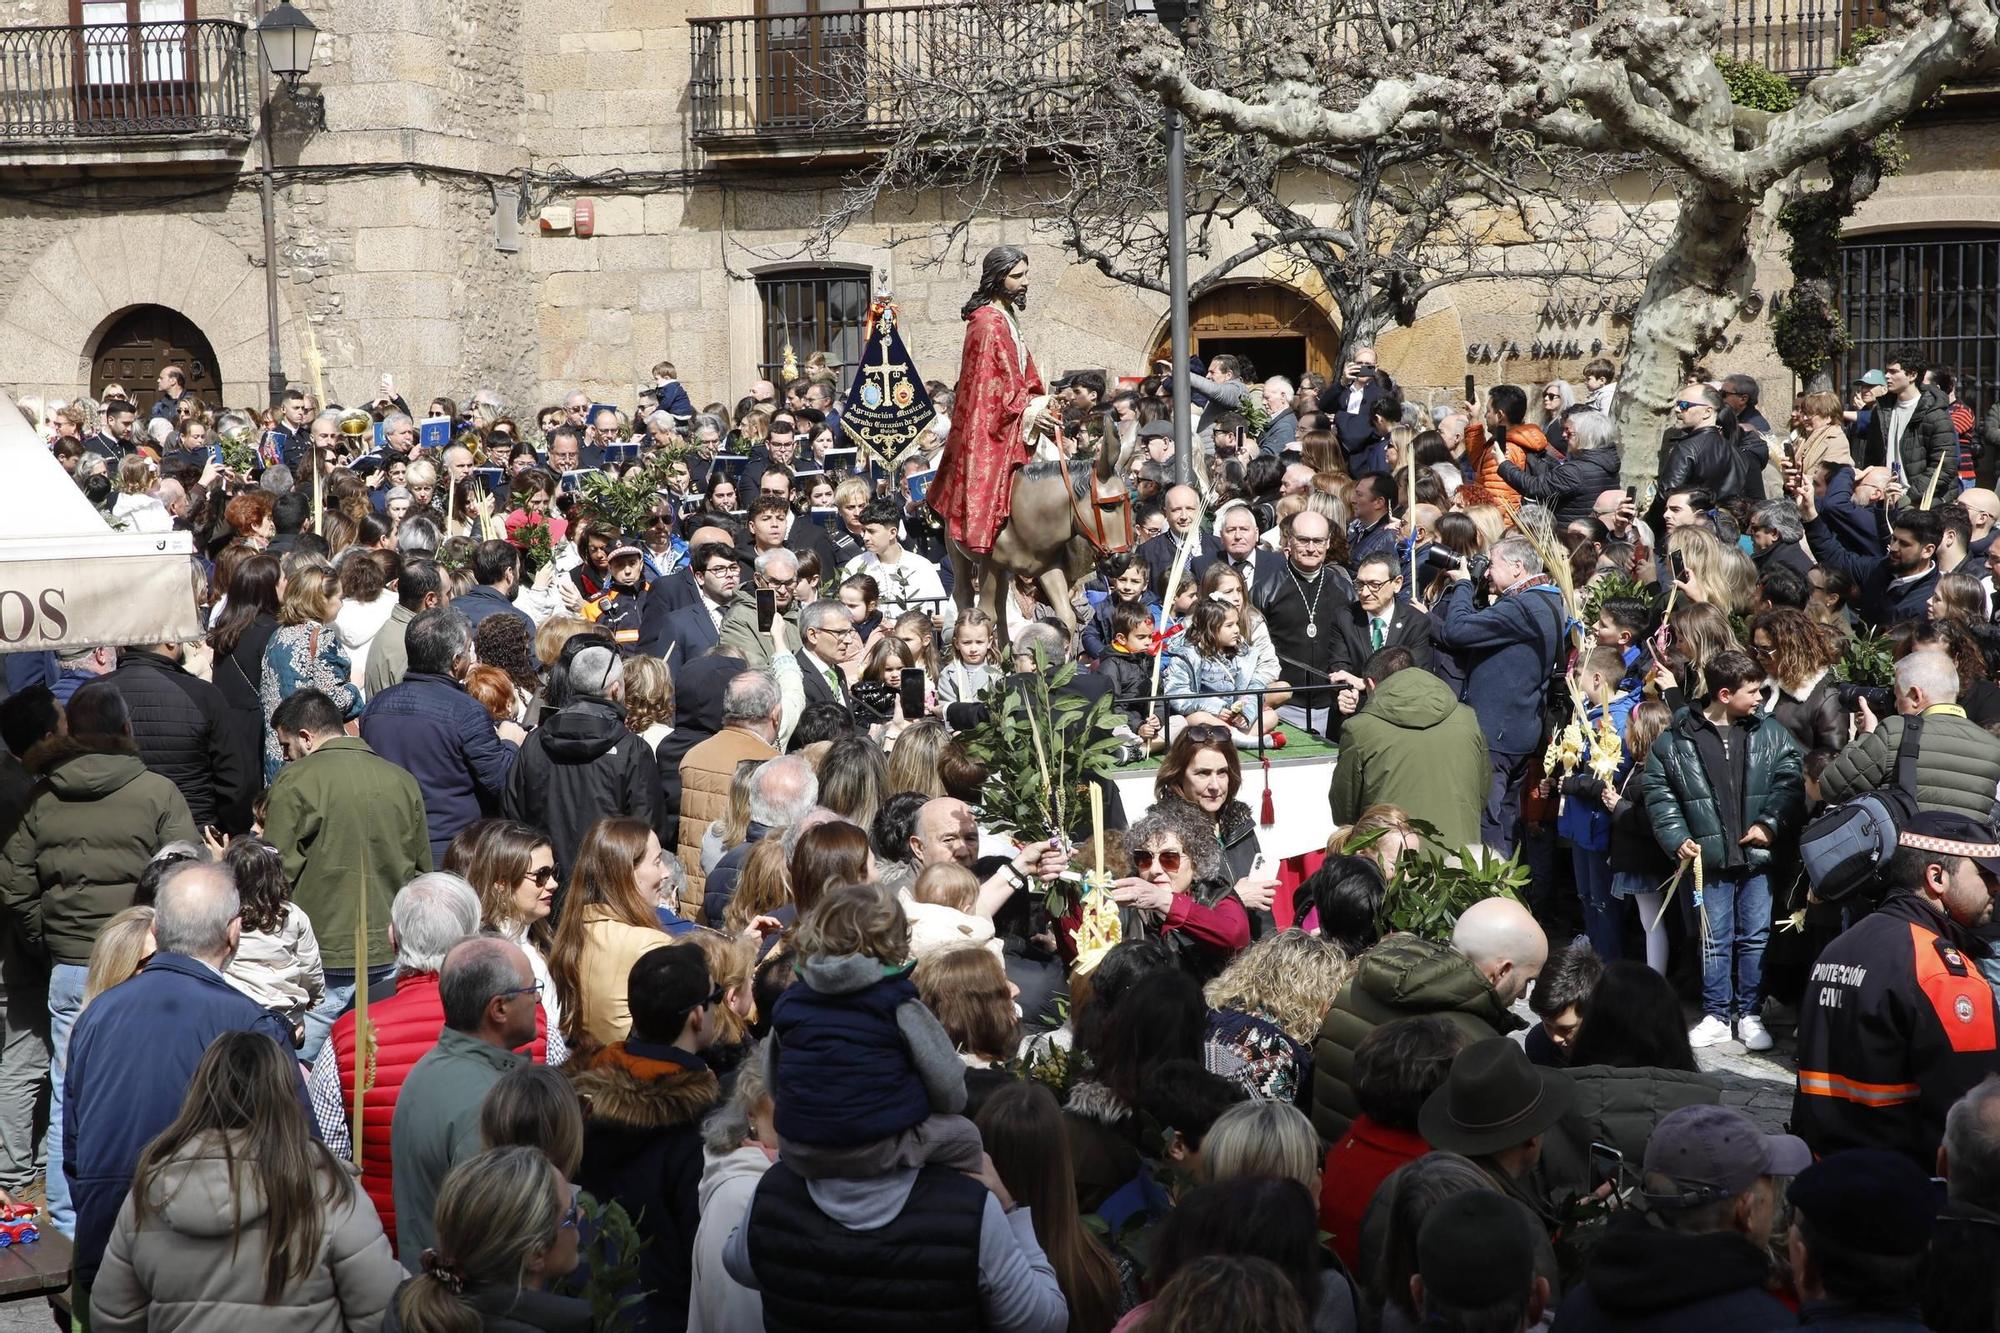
{"x": 1237, "y": 540}
{"x": 1351, "y": 404}
{"x": 1379, "y": 617}
{"x": 1183, "y": 507}
{"x": 115, "y": 440}
{"x": 697, "y": 627}
{"x": 677, "y": 590}
{"x": 1373, "y": 531}
{"x": 830, "y": 640}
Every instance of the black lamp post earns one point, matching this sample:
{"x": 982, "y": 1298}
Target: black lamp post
{"x": 285, "y": 39}
{"x": 1173, "y": 15}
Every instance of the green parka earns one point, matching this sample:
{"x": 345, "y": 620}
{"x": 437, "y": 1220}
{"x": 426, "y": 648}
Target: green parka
{"x": 94, "y": 820}
{"x": 1403, "y": 976}
{"x": 1680, "y": 794}
{"x": 1416, "y": 747}
{"x": 1958, "y": 763}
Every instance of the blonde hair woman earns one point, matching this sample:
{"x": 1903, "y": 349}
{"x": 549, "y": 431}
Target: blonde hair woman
{"x": 1266, "y": 1139}
{"x": 305, "y": 652}
{"x": 728, "y": 832}
{"x": 119, "y": 951}
{"x": 1265, "y": 1010}
{"x": 507, "y": 1228}
{"x": 649, "y": 699}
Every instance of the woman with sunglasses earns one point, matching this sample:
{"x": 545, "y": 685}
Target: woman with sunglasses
{"x": 240, "y": 1218}
{"x": 1181, "y": 890}
{"x": 506, "y": 1227}
{"x": 512, "y": 868}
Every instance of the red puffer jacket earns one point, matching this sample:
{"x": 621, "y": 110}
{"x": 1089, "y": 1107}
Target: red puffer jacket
{"x": 406, "y": 1026}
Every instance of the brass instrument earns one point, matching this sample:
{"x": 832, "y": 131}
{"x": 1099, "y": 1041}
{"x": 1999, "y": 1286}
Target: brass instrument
{"x": 356, "y": 422}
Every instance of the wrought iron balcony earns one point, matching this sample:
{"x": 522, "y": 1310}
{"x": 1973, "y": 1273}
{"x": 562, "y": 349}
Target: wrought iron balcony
{"x": 816, "y": 80}
{"x": 123, "y": 89}
{"x": 1795, "y": 38}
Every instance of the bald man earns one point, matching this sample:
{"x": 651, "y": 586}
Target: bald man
{"x": 1496, "y": 951}
{"x": 1984, "y": 508}
{"x": 1183, "y": 507}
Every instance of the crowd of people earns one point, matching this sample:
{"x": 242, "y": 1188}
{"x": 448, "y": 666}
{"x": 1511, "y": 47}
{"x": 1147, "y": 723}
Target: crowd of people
{"x": 703, "y": 989}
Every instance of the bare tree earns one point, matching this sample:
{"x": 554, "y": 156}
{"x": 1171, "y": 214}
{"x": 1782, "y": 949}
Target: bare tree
{"x": 1640, "y": 75}
{"x": 1013, "y": 110}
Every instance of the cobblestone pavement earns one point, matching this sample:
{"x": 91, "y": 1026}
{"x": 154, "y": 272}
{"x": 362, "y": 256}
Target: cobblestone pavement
{"x": 1760, "y": 1084}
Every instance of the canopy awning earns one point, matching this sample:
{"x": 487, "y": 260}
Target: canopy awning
{"x": 67, "y": 580}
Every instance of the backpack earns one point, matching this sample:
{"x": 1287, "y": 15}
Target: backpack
{"x": 1845, "y": 848}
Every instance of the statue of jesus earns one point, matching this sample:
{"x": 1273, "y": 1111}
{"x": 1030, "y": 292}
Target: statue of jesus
{"x": 996, "y": 379}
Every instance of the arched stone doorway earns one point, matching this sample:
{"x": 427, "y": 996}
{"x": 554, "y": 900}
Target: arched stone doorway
{"x": 1269, "y": 324}
{"x": 140, "y": 340}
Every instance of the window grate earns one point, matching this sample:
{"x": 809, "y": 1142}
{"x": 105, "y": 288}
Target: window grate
{"x": 1935, "y": 291}
{"x": 818, "y": 311}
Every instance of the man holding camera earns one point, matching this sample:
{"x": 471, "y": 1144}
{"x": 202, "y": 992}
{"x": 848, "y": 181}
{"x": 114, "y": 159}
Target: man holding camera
{"x": 1514, "y": 647}
{"x": 1351, "y": 404}
{"x": 1958, "y": 761}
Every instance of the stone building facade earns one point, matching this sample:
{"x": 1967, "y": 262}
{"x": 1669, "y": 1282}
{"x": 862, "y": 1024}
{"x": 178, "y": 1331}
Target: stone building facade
{"x": 408, "y": 237}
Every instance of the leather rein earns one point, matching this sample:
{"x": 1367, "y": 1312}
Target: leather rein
{"x": 1088, "y": 510}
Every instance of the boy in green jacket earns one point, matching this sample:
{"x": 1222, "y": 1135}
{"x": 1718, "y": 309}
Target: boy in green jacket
{"x": 1723, "y": 783}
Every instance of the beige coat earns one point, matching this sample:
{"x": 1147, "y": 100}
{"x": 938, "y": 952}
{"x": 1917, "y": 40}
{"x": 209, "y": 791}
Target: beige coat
{"x": 610, "y": 947}
{"x": 181, "y": 1269}
{"x": 706, "y": 773}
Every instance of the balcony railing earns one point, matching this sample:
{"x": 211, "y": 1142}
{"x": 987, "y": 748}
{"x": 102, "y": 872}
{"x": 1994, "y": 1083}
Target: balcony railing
{"x": 843, "y": 77}
{"x": 822, "y": 79}
{"x": 1795, "y": 38}
{"x": 75, "y": 85}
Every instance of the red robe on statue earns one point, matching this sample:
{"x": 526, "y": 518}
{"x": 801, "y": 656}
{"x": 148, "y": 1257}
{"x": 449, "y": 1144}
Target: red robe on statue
{"x": 974, "y": 485}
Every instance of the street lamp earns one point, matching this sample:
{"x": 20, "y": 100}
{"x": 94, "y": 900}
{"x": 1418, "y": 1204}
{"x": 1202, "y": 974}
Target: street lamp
{"x": 285, "y": 37}
{"x": 1172, "y": 15}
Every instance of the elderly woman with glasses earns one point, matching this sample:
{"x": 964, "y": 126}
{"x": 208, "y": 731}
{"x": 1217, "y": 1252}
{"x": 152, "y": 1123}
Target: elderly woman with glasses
{"x": 1202, "y": 775}
{"x": 1180, "y": 891}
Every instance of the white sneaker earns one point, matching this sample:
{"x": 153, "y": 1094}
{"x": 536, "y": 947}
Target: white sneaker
{"x": 1750, "y": 1031}
{"x": 1709, "y": 1032}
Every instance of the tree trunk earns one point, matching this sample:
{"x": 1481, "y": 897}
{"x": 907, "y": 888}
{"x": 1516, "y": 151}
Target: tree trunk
{"x": 1696, "y": 287}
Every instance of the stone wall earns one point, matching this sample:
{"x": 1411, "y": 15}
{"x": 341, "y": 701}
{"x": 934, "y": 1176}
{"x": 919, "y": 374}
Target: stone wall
{"x": 396, "y": 269}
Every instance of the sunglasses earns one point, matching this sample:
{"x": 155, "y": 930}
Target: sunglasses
{"x": 573, "y": 1216}
{"x": 545, "y": 876}
{"x": 1202, "y": 732}
{"x": 1169, "y": 859}
{"x": 1682, "y": 405}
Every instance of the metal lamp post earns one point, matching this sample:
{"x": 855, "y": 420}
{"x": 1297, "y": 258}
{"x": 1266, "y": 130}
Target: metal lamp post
{"x": 285, "y": 40}
{"x": 1173, "y": 14}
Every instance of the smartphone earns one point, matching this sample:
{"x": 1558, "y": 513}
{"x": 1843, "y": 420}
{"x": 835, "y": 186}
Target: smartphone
{"x": 912, "y": 693}
{"x": 1679, "y": 565}
{"x": 1260, "y": 866}
{"x": 1607, "y": 1164}
{"x": 1471, "y": 390}
{"x": 767, "y": 609}
{"x": 1632, "y": 496}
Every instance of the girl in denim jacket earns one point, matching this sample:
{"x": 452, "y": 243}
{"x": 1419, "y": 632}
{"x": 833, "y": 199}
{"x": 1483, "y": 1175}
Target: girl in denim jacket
{"x": 1210, "y": 661}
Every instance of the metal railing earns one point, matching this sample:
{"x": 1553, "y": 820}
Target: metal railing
{"x": 846, "y": 76}
{"x": 841, "y": 75}
{"x": 125, "y": 80}
{"x": 1795, "y": 38}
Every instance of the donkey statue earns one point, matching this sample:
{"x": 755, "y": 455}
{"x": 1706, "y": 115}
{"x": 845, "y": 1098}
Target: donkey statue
{"x": 1065, "y": 513}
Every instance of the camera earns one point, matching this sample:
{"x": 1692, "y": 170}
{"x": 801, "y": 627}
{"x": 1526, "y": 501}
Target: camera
{"x": 874, "y": 701}
{"x": 1881, "y": 699}
{"x": 1439, "y": 560}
